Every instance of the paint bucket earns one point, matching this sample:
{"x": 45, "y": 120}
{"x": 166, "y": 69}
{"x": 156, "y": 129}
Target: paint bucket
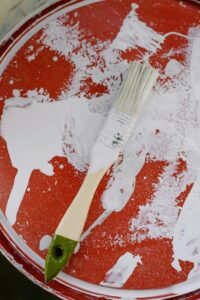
{"x": 141, "y": 237}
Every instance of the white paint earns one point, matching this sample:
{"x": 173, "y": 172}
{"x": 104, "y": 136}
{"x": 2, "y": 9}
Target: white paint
{"x": 31, "y": 57}
{"x": 18, "y": 190}
{"x": 25, "y": 131}
{"x": 79, "y": 136}
{"x": 195, "y": 63}
{"x": 121, "y": 271}
{"x": 45, "y": 242}
{"x": 176, "y": 265}
{"x": 16, "y": 93}
{"x": 186, "y": 241}
{"x": 135, "y": 33}
{"x": 158, "y": 218}
{"x": 173, "y": 68}
{"x": 55, "y": 58}
{"x": 24, "y": 126}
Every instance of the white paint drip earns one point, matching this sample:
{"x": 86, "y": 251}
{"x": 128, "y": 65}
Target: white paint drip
{"x": 18, "y": 190}
{"x": 45, "y": 242}
{"x": 121, "y": 271}
{"x": 24, "y": 126}
{"x": 16, "y": 93}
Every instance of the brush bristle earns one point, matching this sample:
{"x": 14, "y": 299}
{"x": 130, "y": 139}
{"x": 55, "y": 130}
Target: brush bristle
{"x": 135, "y": 89}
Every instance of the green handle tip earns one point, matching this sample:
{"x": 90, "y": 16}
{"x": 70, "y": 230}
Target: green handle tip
{"x": 58, "y": 255}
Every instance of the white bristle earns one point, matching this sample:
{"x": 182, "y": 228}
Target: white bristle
{"x": 122, "y": 117}
{"x": 135, "y": 89}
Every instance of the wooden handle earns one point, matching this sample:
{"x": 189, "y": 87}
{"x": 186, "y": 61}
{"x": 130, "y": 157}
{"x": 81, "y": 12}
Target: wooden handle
{"x": 72, "y": 223}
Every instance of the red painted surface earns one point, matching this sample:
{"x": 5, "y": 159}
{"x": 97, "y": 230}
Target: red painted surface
{"x": 42, "y": 208}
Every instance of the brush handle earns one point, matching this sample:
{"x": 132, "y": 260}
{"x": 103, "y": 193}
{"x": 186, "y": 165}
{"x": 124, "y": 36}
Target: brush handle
{"x": 71, "y": 226}
{"x": 72, "y": 223}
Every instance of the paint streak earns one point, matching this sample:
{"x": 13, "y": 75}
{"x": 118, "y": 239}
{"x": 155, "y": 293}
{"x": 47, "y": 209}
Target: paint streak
{"x": 122, "y": 270}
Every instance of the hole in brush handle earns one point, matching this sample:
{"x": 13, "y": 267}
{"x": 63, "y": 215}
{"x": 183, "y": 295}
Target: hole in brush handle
{"x": 58, "y": 251}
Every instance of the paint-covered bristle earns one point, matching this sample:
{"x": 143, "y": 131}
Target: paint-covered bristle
{"x": 120, "y": 122}
{"x": 135, "y": 89}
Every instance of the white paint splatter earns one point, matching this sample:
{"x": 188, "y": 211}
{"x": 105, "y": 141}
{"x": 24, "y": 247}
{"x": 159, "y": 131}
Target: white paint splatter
{"x": 16, "y": 93}
{"x": 121, "y": 271}
{"x": 45, "y": 242}
{"x": 135, "y": 33}
{"x": 173, "y": 68}
{"x": 32, "y": 54}
{"x": 195, "y": 64}
{"x": 55, "y": 58}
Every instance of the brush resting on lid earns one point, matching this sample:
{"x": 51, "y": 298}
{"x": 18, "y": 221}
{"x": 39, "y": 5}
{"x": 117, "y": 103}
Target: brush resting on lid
{"x": 127, "y": 107}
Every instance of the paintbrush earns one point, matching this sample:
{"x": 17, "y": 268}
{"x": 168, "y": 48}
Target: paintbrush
{"x": 120, "y": 122}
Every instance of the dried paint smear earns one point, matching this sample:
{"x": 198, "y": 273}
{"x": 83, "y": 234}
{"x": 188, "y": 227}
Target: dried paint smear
{"x": 122, "y": 270}
{"x": 173, "y": 108}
